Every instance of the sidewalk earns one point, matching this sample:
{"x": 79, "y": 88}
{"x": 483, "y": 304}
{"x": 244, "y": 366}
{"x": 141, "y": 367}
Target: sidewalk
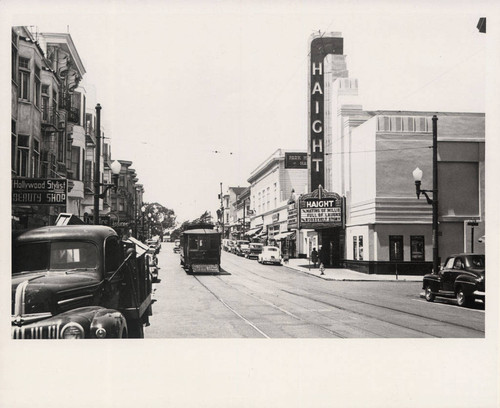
{"x": 342, "y": 274}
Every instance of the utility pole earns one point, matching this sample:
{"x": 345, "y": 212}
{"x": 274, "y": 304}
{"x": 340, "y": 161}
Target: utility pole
{"x": 435, "y": 233}
{"x": 97, "y": 181}
{"x": 222, "y": 209}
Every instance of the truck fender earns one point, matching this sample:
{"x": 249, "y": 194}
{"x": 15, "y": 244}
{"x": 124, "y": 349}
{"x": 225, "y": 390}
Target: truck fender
{"x": 112, "y": 321}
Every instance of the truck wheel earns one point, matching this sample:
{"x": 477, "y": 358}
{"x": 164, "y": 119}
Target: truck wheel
{"x": 135, "y": 329}
{"x": 462, "y": 299}
{"x": 429, "y": 296}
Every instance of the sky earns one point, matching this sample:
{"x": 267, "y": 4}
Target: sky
{"x": 200, "y": 93}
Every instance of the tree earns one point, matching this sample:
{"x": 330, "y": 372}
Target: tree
{"x": 157, "y": 219}
{"x": 205, "y": 218}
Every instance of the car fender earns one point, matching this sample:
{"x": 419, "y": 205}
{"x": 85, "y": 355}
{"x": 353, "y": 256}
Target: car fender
{"x": 433, "y": 281}
{"x": 466, "y": 282}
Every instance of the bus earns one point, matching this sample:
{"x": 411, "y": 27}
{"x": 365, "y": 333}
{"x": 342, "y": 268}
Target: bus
{"x": 201, "y": 250}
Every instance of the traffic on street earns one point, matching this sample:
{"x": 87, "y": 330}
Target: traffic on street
{"x": 250, "y": 300}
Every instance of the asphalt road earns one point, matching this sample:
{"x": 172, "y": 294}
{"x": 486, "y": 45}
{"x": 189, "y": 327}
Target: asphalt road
{"x": 249, "y": 300}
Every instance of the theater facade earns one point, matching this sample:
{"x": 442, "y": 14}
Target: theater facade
{"x": 362, "y": 202}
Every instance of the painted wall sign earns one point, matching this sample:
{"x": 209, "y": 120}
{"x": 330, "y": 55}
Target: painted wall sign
{"x": 321, "y": 46}
{"x": 37, "y": 191}
{"x": 295, "y": 160}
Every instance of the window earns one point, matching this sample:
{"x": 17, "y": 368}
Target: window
{"x": 409, "y": 124}
{"x": 13, "y": 145}
{"x": 35, "y": 159}
{"x": 360, "y": 250}
{"x": 421, "y": 124}
{"x": 75, "y": 162}
{"x": 354, "y": 248}
{"x": 23, "y": 143}
{"x": 396, "y": 248}
{"x": 417, "y": 248}
{"x": 396, "y": 124}
{"x": 113, "y": 255}
{"x": 14, "y": 56}
{"x": 383, "y": 124}
{"x": 24, "y": 78}
{"x": 38, "y": 86}
{"x": 60, "y": 146}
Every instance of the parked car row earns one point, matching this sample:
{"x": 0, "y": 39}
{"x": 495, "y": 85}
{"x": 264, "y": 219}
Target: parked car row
{"x": 253, "y": 250}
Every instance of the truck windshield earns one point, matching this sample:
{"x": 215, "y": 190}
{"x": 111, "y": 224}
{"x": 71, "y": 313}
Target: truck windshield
{"x": 39, "y": 256}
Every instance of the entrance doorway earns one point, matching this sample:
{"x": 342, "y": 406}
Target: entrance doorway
{"x": 332, "y": 242}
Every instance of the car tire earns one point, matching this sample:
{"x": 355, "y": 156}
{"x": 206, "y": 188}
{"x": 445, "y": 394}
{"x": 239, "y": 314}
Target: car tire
{"x": 429, "y": 296}
{"x": 462, "y": 299}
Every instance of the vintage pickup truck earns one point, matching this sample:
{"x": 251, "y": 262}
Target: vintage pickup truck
{"x": 78, "y": 281}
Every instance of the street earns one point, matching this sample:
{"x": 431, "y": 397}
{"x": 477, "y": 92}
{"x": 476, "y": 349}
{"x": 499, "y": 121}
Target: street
{"x": 250, "y": 300}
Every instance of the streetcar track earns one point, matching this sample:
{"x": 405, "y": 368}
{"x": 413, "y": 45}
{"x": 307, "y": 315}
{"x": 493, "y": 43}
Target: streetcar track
{"x": 275, "y": 306}
{"x": 231, "y": 309}
{"x": 371, "y": 304}
{"x": 339, "y": 308}
{"x": 401, "y": 311}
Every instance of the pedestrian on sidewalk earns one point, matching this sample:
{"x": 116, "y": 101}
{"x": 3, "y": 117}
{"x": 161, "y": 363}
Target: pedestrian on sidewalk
{"x": 322, "y": 260}
{"x": 286, "y": 257}
{"x": 314, "y": 257}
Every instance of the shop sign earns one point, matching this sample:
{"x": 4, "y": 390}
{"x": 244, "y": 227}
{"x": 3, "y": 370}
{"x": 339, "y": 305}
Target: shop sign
{"x": 37, "y": 191}
{"x": 295, "y": 160}
{"x": 293, "y": 219}
{"x": 321, "y": 46}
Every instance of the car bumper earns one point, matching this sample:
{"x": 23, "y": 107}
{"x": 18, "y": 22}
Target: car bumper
{"x": 479, "y": 294}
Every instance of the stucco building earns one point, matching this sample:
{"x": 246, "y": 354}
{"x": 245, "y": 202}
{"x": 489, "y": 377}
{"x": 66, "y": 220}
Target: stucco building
{"x": 367, "y": 158}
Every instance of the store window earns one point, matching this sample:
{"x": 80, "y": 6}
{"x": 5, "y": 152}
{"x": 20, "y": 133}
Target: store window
{"x": 396, "y": 248}
{"x": 417, "y": 245}
{"x": 360, "y": 247}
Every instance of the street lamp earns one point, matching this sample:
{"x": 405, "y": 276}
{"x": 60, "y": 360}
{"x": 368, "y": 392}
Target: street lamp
{"x": 417, "y": 176}
{"x": 115, "y": 170}
{"x": 143, "y": 210}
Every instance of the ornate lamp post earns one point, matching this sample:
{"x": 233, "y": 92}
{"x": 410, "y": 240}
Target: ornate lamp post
{"x": 417, "y": 176}
{"x": 143, "y": 210}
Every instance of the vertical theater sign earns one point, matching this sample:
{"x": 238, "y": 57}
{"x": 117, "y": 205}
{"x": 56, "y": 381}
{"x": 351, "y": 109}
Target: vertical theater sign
{"x": 321, "y": 46}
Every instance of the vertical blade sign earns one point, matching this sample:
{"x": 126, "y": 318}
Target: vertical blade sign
{"x": 321, "y": 46}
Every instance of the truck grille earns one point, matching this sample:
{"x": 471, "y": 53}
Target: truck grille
{"x": 36, "y": 332}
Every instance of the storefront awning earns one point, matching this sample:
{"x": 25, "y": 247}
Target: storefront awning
{"x": 283, "y": 235}
{"x": 253, "y": 231}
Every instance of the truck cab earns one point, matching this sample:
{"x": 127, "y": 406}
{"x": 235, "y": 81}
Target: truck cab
{"x": 78, "y": 281}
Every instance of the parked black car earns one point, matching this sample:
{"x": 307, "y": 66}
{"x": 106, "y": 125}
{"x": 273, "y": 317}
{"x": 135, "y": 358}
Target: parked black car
{"x": 461, "y": 277}
{"x": 78, "y": 281}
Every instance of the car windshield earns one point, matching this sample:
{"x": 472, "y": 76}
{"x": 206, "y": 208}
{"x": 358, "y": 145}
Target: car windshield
{"x": 272, "y": 249}
{"x": 256, "y": 246}
{"x": 39, "y": 256}
{"x": 475, "y": 261}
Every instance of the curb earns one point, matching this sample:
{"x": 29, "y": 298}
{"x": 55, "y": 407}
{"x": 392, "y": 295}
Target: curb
{"x": 347, "y": 279}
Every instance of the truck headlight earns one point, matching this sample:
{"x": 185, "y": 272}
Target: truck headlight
{"x": 72, "y": 330}
{"x": 100, "y": 333}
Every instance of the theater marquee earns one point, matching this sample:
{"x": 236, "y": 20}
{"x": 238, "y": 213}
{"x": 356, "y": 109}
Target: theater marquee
{"x": 321, "y": 209}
